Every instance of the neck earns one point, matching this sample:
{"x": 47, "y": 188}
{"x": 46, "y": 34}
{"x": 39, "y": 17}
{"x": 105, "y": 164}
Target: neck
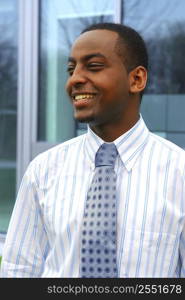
{"x": 110, "y": 132}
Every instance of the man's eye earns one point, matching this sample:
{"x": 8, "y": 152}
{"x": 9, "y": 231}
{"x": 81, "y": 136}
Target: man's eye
{"x": 95, "y": 66}
{"x": 70, "y": 70}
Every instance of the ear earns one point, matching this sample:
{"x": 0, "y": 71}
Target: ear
{"x": 138, "y": 79}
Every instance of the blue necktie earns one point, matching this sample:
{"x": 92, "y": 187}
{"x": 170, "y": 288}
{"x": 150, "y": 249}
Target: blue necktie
{"x": 98, "y": 239}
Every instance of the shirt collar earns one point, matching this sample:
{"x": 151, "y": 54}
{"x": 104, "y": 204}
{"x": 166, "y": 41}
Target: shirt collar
{"x": 129, "y": 145}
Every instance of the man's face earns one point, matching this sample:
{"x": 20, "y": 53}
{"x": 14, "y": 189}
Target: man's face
{"x": 98, "y": 83}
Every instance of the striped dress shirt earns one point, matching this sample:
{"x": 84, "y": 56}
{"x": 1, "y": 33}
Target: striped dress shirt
{"x": 43, "y": 237}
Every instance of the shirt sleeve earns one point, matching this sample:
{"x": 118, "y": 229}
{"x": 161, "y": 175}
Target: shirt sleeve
{"x": 26, "y": 244}
{"x": 182, "y": 254}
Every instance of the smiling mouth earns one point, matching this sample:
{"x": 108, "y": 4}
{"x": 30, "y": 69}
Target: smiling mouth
{"x": 79, "y": 97}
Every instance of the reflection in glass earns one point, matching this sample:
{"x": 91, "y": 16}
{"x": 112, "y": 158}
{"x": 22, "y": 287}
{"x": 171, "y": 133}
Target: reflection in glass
{"x": 162, "y": 24}
{"x": 60, "y": 23}
{"x": 8, "y": 108}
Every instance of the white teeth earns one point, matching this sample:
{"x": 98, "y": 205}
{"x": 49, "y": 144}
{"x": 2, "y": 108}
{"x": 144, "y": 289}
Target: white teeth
{"x": 83, "y": 96}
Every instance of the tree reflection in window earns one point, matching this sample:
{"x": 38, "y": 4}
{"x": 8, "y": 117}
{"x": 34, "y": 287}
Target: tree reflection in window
{"x": 167, "y": 61}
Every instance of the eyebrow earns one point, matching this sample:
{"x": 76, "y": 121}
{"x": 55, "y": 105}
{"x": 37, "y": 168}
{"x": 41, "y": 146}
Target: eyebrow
{"x": 87, "y": 57}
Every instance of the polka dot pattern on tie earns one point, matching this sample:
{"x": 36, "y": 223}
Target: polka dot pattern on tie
{"x": 98, "y": 242}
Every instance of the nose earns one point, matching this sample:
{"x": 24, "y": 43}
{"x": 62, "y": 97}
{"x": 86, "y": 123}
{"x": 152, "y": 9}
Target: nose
{"x": 77, "y": 78}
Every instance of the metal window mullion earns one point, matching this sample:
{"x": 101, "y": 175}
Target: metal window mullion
{"x": 27, "y": 83}
{"x": 35, "y": 68}
{"x": 118, "y": 17}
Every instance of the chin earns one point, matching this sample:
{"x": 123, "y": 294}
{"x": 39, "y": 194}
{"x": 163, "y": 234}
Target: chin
{"x": 87, "y": 119}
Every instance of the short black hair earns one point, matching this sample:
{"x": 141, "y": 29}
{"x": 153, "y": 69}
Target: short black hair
{"x": 130, "y": 45}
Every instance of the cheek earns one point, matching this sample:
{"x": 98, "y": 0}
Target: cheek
{"x": 108, "y": 85}
{"x": 67, "y": 87}
{"x": 116, "y": 89}
{"x": 122, "y": 87}
{"x": 116, "y": 82}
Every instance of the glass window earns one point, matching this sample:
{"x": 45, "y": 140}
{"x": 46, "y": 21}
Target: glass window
{"x": 60, "y": 23}
{"x": 162, "y": 24}
{"x": 8, "y": 108}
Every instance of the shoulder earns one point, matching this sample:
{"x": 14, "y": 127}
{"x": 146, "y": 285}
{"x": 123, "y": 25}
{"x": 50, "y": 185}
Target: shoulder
{"x": 57, "y": 155}
{"x": 168, "y": 146}
{"x": 61, "y": 149}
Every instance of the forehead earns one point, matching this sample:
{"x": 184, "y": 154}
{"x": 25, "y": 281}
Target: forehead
{"x": 95, "y": 41}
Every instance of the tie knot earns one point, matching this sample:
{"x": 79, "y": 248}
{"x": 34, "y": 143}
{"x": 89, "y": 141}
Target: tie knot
{"x": 106, "y": 155}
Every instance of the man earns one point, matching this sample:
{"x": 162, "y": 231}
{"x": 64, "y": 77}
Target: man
{"x": 46, "y": 236}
